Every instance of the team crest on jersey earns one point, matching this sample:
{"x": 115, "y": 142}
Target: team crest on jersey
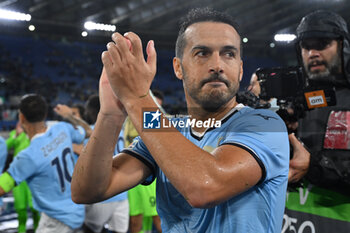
{"x": 220, "y": 140}
{"x": 133, "y": 144}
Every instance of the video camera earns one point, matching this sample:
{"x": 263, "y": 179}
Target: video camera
{"x": 289, "y": 86}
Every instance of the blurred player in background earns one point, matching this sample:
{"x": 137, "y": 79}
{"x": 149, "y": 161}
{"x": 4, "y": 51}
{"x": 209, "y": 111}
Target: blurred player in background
{"x": 78, "y": 110}
{"x": 17, "y": 141}
{"x": 47, "y": 165}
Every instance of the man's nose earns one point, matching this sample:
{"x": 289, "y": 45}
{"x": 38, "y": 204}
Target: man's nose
{"x": 313, "y": 53}
{"x": 216, "y": 63}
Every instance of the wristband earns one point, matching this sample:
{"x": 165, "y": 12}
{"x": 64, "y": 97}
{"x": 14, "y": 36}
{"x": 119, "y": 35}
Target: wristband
{"x": 7, "y": 182}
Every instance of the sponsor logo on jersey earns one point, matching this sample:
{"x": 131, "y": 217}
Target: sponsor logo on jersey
{"x": 133, "y": 144}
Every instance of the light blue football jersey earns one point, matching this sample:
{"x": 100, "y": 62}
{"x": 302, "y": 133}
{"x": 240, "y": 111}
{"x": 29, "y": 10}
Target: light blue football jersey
{"x": 260, "y": 209}
{"x": 47, "y": 166}
{"x": 3, "y": 157}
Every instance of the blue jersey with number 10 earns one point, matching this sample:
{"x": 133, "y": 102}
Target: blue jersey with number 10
{"x": 47, "y": 166}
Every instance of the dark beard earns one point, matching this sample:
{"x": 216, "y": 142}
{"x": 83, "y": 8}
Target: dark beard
{"x": 214, "y": 100}
{"x": 329, "y": 75}
{"x": 214, "y": 104}
{"x": 321, "y": 76}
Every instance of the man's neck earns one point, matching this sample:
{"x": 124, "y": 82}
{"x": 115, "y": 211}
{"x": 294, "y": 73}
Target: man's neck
{"x": 36, "y": 128}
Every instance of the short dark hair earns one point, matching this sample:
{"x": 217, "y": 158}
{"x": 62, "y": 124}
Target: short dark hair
{"x": 92, "y": 107}
{"x": 201, "y": 15}
{"x": 80, "y": 108}
{"x": 33, "y": 107}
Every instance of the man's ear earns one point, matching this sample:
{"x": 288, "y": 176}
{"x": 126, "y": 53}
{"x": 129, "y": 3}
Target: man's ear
{"x": 177, "y": 68}
{"x": 241, "y": 72}
{"x": 21, "y": 118}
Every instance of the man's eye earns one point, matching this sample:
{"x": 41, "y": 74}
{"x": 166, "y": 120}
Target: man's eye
{"x": 202, "y": 53}
{"x": 230, "y": 54}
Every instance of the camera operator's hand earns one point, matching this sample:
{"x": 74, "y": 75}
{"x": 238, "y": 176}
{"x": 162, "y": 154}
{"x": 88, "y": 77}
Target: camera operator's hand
{"x": 299, "y": 165}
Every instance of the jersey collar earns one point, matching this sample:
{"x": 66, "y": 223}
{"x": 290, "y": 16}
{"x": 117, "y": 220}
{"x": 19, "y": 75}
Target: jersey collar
{"x": 199, "y": 136}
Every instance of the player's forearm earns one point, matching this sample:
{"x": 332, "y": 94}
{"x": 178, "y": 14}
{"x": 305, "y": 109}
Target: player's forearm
{"x": 92, "y": 172}
{"x": 77, "y": 121}
{"x": 67, "y": 113}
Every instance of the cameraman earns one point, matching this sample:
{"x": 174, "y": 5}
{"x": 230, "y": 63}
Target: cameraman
{"x": 324, "y": 204}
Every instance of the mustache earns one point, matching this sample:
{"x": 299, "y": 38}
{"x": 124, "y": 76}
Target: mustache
{"x": 214, "y": 77}
{"x": 316, "y": 63}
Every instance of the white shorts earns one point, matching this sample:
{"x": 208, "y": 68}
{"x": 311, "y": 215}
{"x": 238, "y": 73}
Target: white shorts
{"x": 51, "y": 225}
{"x": 114, "y": 214}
